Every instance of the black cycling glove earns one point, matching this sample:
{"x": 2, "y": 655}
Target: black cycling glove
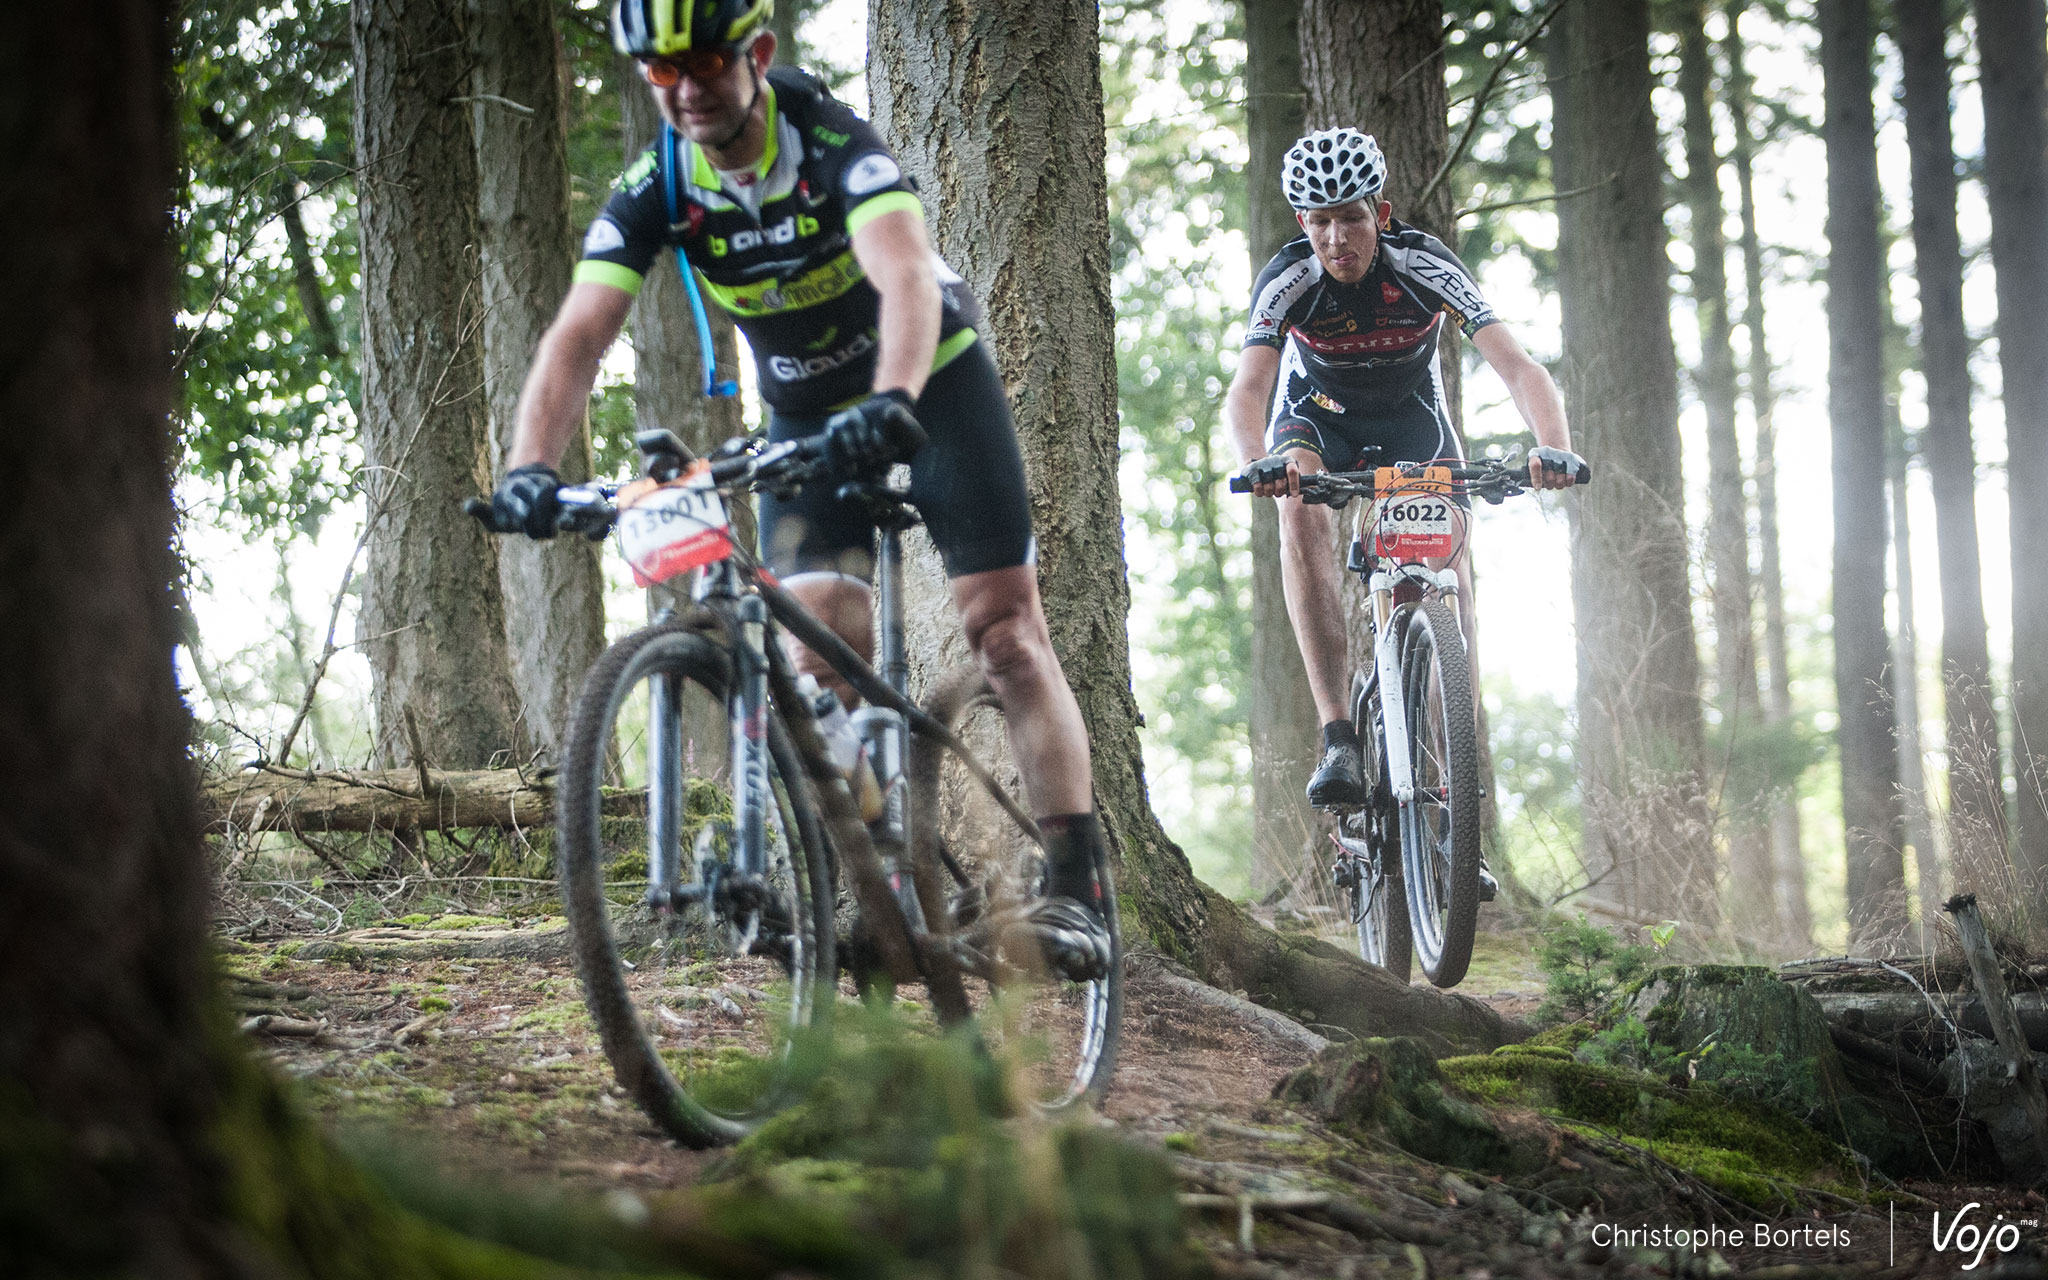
{"x": 1271, "y": 469}
{"x": 1559, "y": 461}
{"x": 873, "y": 434}
{"x": 525, "y": 500}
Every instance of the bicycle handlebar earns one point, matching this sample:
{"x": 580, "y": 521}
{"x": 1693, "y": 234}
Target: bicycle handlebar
{"x": 1489, "y": 479}
{"x": 588, "y": 509}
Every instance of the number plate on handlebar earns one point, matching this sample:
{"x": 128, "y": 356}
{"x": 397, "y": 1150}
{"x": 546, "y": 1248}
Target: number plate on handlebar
{"x": 1415, "y": 517}
{"x": 670, "y": 529}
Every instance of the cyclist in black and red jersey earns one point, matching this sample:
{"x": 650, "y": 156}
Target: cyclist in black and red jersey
{"x": 1340, "y": 355}
{"x": 799, "y": 222}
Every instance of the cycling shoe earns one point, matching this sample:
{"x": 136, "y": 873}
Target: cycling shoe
{"x": 1073, "y": 939}
{"x": 1339, "y": 781}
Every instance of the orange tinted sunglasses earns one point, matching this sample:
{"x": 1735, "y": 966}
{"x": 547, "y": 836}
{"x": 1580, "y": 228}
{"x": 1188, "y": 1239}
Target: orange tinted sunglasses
{"x": 698, "y": 64}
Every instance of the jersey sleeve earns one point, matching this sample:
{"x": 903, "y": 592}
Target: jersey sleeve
{"x": 623, "y": 241}
{"x": 869, "y": 180}
{"x": 1283, "y": 285}
{"x": 1436, "y": 275}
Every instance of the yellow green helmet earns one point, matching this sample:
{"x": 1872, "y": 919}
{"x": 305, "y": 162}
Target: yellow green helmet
{"x": 660, "y": 28}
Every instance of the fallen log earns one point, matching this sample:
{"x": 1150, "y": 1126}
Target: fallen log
{"x": 390, "y": 799}
{"x": 1890, "y": 1015}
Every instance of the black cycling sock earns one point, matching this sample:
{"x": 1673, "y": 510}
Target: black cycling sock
{"x": 1340, "y": 733}
{"x": 1073, "y": 841}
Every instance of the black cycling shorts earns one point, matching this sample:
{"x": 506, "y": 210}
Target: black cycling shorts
{"x": 967, "y": 483}
{"x": 1414, "y": 428}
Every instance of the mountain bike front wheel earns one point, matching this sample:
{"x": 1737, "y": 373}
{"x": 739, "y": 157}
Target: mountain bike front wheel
{"x": 709, "y": 1038}
{"x": 1059, "y": 1035}
{"x": 1440, "y": 822}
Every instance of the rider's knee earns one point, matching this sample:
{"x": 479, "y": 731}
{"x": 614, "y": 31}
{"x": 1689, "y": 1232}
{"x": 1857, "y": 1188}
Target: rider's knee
{"x": 1011, "y": 643}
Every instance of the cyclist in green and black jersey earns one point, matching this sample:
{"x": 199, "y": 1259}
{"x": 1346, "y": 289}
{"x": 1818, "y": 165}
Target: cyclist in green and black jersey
{"x": 1341, "y": 354}
{"x": 799, "y": 222}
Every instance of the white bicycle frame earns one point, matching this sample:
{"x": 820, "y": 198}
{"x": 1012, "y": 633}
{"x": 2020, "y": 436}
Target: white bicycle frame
{"x": 1386, "y": 659}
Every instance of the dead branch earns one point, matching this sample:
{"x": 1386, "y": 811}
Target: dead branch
{"x": 385, "y": 800}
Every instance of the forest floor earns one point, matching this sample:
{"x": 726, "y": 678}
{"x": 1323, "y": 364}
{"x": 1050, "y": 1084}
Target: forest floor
{"x": 488, "y": 1062}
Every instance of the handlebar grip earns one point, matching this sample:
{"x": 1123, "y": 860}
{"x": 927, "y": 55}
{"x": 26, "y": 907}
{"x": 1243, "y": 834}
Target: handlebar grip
{"x": 1584, "y": 475}
{"x": 1240, "y": 484}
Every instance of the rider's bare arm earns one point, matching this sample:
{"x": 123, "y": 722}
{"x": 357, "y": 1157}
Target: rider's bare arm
{"x": 893, "y": 251}
{"x": 1244, "y": 411}
{"x": 556, "y": 396}
{"x": 1535, "y": 395}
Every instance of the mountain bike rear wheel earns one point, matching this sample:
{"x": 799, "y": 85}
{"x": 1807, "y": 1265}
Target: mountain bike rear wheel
{"x": 1061, "y": 1035}
{"x": 1440, "y": 823}
{"x": 708, "y": 1049}
{"x": 1375, "y": 893}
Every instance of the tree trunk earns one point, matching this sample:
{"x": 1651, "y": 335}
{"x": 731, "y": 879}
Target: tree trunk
{"x": 2013, "y": 76}
{"x": 1875, "y": 883}
{"x": 1750, "y": 914}
{"x": 1285, "y": 730}
{"x": 1795, "y": 917}
{"x": 433, "y": 616}
{"x": 996, "y": 107}
{"x": 1976, "y": 792}
{"x": 1917, "y": 822}
{"x": 104, "y": 986}
{"x": 554, "y": 591}
{"x": 785, "y": 22}
{"x": 1649, "y": 838}
{"x": 668, "y": 370}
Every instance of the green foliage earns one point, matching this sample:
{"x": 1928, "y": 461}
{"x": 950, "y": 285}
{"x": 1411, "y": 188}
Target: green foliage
{"x": 1629, "y": 1043}
{"x": 266, "y": 382}
{"x": 1585, "y": 966}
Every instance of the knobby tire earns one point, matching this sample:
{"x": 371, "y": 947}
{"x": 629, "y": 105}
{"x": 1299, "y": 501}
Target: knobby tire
{"x": 682, "y": 649}
{"x": 1440, "y": 826}
{"x": 1383, "y": 935}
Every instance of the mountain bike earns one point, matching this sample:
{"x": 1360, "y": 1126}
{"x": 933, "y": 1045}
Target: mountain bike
{"x": 1408, "y": 859}
{"x": 763, "y": 795}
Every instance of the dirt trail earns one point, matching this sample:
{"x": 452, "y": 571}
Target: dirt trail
{"x": 489, "y": 1063}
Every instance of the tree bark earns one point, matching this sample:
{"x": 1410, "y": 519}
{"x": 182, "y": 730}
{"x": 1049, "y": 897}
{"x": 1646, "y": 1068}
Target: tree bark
{"x": 1916, "y": 820}
{"x": 104, "y": 990}
{"x": 1875, "y": 870}
{"x": 1285, "y": 730}
{"x": 554, "y": 591}
{"x": 1745, "y": 808}
{"x": 996, "y": 107}
{"x": 1976, "y": 791}
{"x": 433, "y": 615}
{"x": 1795, "y": 917}
{"x": 1649, "y": 836}
{"x": 2013, "y": 77}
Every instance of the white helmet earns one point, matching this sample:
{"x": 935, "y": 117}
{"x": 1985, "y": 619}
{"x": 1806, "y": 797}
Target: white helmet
{"x": 1331, "y": 167}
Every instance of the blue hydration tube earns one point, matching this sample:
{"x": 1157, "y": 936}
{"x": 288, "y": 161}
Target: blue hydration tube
{"x": 671, "y": 161}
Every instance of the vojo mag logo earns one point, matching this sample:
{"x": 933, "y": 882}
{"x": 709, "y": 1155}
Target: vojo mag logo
{"x": 1973, "y": 1239}
{"x": 783, "y": 232}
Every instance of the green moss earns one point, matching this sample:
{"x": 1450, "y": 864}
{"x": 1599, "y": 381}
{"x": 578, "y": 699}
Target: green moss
{"x": 1183, "y": 1142}
{"x": 1726, "y": 1140}
{"x": 468, "y": 922}
{"x": 435, "y": 1004}
{"x": 563, "y": 1018}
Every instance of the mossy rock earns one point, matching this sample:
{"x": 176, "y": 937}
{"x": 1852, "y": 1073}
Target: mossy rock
{"x": 1764, "y": 1038}
{"x": 1749, "y": 1150}
{"x": 1393, "y": 1088}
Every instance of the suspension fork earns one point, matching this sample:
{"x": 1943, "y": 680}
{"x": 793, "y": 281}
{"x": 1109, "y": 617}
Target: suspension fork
{"x": 751, "y": 791}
